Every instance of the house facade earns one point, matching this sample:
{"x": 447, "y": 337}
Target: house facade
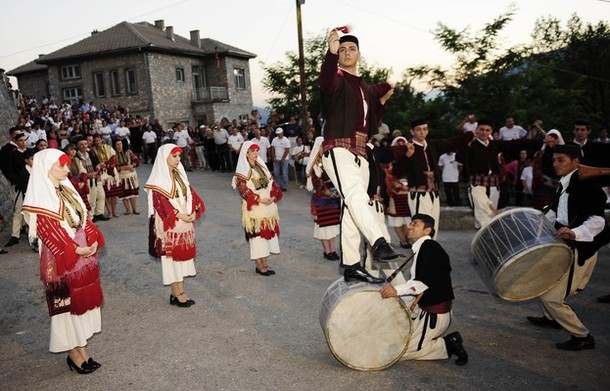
{"x": 150, "y": 70}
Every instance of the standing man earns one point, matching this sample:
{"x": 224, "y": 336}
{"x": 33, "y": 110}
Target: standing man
{"x": 264, "y": 145}
{"x": 451, "y": 169}
{"x": 221, "y": 138}
{"x": 431, "y": 282}
{"x": 510, "y": 131}
{"x": 235, "y": 142}
{"x": 97, "y": 197}
{"x": 149, "y": 138}
{"x": 483, "y": 167}
{"x": 350, "y": 108}
{"x": 280, "y": 153}
{"x": 578, "y": 214}
{"x": 15, "y": 175}
{"x": 183, "y": 140}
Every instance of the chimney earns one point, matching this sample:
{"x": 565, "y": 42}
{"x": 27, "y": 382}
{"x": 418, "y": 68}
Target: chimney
{"x": 169, "y": 33}
{"x": 41, "y": 55}
{"x": 160, "y": 24}
{"x": 195, "y": 41}
{"x": 94, "y": 32}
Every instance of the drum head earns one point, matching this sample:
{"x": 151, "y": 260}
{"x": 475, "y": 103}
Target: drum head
{"x": 532, "y": 273}
{"x": 366, "y": 332}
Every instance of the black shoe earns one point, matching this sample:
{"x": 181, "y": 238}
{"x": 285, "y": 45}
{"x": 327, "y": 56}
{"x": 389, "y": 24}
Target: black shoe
{"x": 3, "y": 251}
{"x": 267, "y": 272}
{"x": 100, "y": 218}
{"x": 12, "y": 241}
{"x": 453, "y": 342}
{"x": 84, "y": 369}
{"x": 383, "y": 252}
{"x": 601, "y": 299}
{"x": 93, "y": 364}
{"x": 358, "y": 273}
{"x": 543, "y": 321}
{"x": 329, "y": 256}
{"x": 577, "y": 343}
{"x": 173, "y": 300}
{"x": 335, "y": 256}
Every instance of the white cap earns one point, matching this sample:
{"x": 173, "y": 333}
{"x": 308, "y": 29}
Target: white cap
{"x": 279, "y": 131}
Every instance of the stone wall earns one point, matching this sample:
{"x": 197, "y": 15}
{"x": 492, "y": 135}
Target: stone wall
{"x": 34, "y": 84}
{"x": 8, "y": 119}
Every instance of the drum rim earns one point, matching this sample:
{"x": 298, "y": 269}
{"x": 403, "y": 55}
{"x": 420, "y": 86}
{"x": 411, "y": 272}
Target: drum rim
{"x": 328, "y": 342}
{"x": 497, "y": 217}
{"x": 514, "y": 258}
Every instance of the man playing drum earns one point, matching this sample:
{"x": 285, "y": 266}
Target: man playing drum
{"x": 431, "y": 282}
{"x": 578, "y": 214}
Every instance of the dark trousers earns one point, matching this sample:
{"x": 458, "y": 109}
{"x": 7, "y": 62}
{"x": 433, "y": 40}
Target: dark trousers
{"x": 150, "y": 152}
{"x": 224, "y": 158}
{"x": 452, "y": 191}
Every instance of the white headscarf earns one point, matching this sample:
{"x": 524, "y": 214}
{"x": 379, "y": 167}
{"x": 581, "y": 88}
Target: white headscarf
{"x": 312, "y": 168}
{"x": 559, "y": 137}
{"x": 395, "y": 141}
{"x": 161, "y": 180}
{"x": 243, "y": 169}
{"x": 41, "y": 196}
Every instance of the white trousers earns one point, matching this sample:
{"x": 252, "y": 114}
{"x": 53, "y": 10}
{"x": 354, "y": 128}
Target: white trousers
{"x": 18, "y": 220}
{"x": 350, "y": 175}
{"x": 554, "y": 304}
{"x": 97, "y": 199}
{"x": 428, "y": 203}
{"x": 480, "y": 202}
{"x": 426, "y": 342}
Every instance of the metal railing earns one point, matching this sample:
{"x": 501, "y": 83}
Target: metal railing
{"x": 210, "y": 94}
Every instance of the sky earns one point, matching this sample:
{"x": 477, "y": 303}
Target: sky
{"x": 393, "y": 34}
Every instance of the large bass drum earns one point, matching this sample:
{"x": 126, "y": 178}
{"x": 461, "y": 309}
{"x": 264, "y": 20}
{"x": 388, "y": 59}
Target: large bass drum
{"x": 520, "y": 255}
{"x": 363, "y": 330}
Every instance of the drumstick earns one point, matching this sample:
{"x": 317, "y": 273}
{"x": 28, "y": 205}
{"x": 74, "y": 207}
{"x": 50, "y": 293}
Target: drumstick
{"x": 416, "y": 301}
{"x": 393, "y": 275}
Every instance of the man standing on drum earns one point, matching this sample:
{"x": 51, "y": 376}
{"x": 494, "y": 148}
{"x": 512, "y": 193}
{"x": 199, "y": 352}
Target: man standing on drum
{"x": 578, "y": 215}
{"x": 431, "y": 282}
{"x": 350, "y": 108}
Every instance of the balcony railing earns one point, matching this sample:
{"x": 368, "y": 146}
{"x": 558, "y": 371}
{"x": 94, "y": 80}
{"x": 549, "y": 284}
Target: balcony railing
{"x": 210, "y": 94}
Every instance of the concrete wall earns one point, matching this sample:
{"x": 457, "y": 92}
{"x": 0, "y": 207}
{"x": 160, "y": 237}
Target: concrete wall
{"x": 34, "y": 84}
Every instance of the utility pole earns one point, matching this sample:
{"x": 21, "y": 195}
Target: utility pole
{"x": 304, "y": 110}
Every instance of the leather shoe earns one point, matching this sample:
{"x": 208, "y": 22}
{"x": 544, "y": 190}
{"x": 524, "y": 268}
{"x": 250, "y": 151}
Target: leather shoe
{"x": 93, "y": 364}
{"x": 335, "y": 256}
{"x": 383, "y": 252}
{"x": 3, "y": 251}
{"x": 267, "y": 272}
{"x": 603, "y": 299}
{"x": 543, "y": 321}
{"x": 577, "y": 343}
{"x": 358, "y": 273}
{"x": 173, "y": 300}
{"x": 12, "y": 241}
{"x": 453, "y": 342}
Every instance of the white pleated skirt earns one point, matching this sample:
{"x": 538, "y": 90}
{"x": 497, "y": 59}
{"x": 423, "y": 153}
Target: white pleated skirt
{"x": 261, "y": 248}
{"x": 398, "y": 221}
{"x": 69, "y": 331}
{"x": 174, "y": 271}
{"x": 324, "y": 233}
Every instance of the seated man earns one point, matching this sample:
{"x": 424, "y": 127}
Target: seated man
{"x": 431, "y": 282}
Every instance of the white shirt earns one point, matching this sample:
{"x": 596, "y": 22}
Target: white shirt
{"x": 105, "y": 132}
{"x": 300, "y": 149}
{"x": 513, "y": 133}
{"x": 182, "y": 138}
{"x": 41, "y": 133}
{"x": 122, "y": 132}
{"x": 221, "y": 136}
{"x": 263, "y": 144}
{"x": 470, "y": 126}
{"x": 30, "y": 142}
{"x": 235, "y": 141}
{"x": 279, "y": 146}
{"x": 451, "y": 172}
{"x": 527, "y": 175}
{"x": 585, "y": 232}
{"x": 413, "y": 286}
{"x": 149, "y": 137}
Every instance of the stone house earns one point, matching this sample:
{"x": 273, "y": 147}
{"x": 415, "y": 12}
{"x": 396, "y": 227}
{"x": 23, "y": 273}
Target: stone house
{"x": 150, "y": 70}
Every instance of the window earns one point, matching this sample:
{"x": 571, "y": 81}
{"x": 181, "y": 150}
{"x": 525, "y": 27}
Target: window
{"x": 98, "y": 84}
{"x": 180, "y": 75}
{"x": 73, "y": 95}
{"x": 131, "y": 84}
{"x": 240, "y": 78}
{"x": 115, "y": 86}
{"x": 70, "y": 72}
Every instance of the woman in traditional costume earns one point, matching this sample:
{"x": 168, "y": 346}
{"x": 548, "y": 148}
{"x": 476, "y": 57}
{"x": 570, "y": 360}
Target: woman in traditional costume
{"x": 78, "y": 175}
{"x": 260, "y": 217}
{"x": 325, "y": 203}
{"x": 68, "y": 243}
{"x": 545, "y": 181}
{"x": 113, "y": 186}
{"x": 126, "y": 163}
{"x": 398, "y": 212}
{"x": 173, "y": 207}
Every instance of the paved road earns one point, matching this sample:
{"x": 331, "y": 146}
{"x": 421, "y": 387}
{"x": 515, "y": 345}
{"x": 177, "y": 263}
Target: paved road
{"x": 249, "y": 332}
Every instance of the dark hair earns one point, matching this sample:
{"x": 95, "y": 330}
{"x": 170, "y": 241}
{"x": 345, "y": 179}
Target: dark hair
{"x": 583, "y": 122}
